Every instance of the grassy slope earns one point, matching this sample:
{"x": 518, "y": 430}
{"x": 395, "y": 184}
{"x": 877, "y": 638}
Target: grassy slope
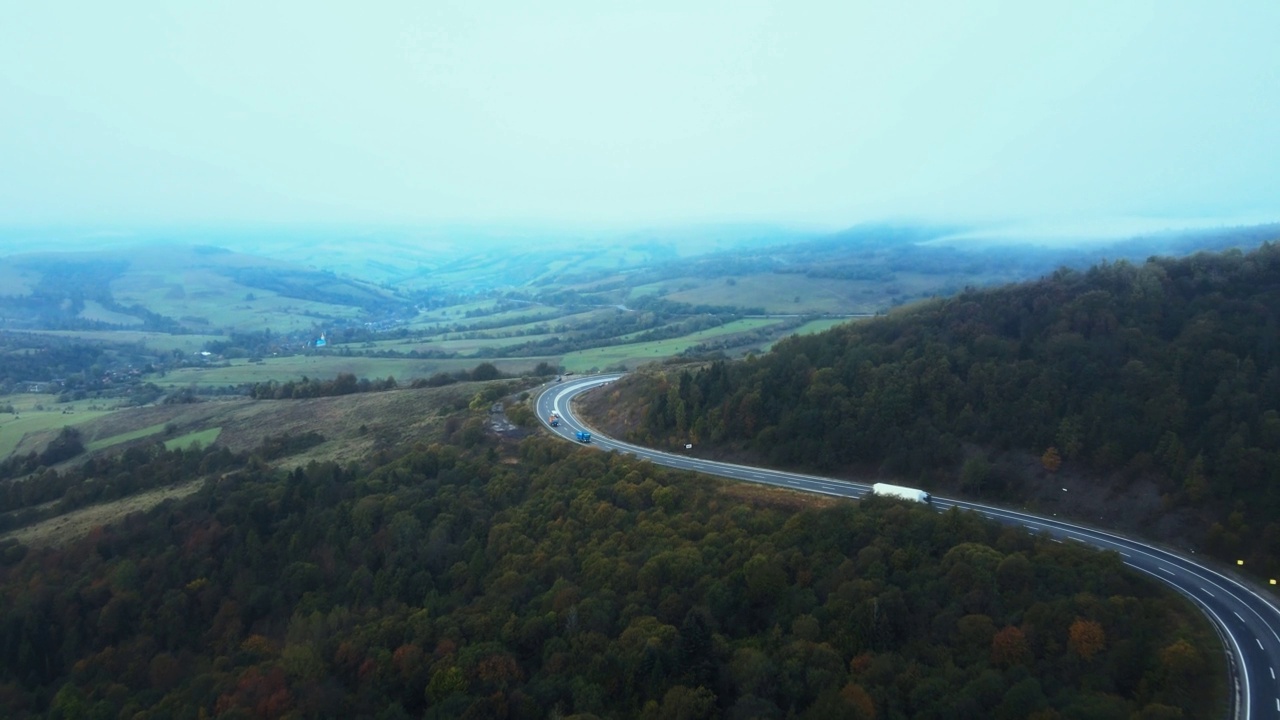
{"x": 353, "y": 427}
{"x": 203, "y": 297}
{"x": 124, "y": 437}
{"x": 329, "y": 366}
{"x": 205, "y": 437}
{"x": 658, "y": 349}
{"x": 94, "y": 310}
{"x": 795, "y": 293}
{"x": 22, "y": 432}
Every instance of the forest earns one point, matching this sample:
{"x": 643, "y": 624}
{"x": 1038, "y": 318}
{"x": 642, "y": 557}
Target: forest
{"x": 483, "y": 580}
{"x": 1166, "y": 372}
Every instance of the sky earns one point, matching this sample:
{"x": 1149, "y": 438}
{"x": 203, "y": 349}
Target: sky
{"x": 815, "y": 114}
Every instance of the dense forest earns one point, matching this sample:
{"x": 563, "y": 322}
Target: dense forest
{"x": 1167, "y": 372}
{"x": 542, "y": 580}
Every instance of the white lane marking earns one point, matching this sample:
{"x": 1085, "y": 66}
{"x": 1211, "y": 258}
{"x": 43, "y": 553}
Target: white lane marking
{"x": 1233, "y": 612}
{"x": 1206, "y": 592}
{"x": 1126, "y": 554}
{"x": 1056, "y": 540}
{"x": 1260, "y": 645}
{"x": 1167, "y": 570}
{"x": 1277, "y": 704}
{"x": 1075, "y": 538}
{"x": 1273, "y": 673}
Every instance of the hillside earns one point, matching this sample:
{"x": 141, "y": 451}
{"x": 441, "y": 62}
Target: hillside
{"x": 1151, "y": 392}
{"x": 61, "y": 482}
{"x": 485, "y": 579}
{"x": 178, "y": 288}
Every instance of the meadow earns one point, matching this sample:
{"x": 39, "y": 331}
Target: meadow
{"x": 237, "y": 372}
{"x": 157, "y": 341}
{"x": 51, "y": 417}
{"x": 97, "y": 312}
{"x": 124, "y": 437}
{"x": 205, "y": 437}
{"x": 633, "y": 354}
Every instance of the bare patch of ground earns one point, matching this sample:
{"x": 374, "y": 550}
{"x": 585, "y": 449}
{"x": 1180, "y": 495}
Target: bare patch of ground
{"x": 774, "y": 497}
{"x": 1112, "y": 501}
{"x": 77, "y": 523}
{"x": 612, "y": 409}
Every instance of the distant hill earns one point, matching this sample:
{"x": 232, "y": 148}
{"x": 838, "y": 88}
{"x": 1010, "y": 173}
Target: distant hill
{"x": 1151, "y": 392}
{"x": 177, "y": 288}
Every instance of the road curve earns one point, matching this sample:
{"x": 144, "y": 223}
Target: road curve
{"x": 1248, "y": 623}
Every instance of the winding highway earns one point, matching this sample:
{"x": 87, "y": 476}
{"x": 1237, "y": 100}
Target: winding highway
{"x": 1248, "y": 622}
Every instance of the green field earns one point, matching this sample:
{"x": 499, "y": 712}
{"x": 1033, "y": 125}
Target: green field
{"x": 124, "y": 437}
{"x": 220, "y": 302}
{"x": 782, "y": 293}
{"x": 632, "y": 353}
{"x": 800, "y": 294}
{"x": 631, "y": 335}
{"x": 30, "y": 420}
{"x": 809, "y": 328}
{"x": 471, "y": 345}
{"x": 454, "y": 313}
{"x": 13, "y": 430}
{"x": 569, "y": 321}
{"x": 328, "y": 366}
{"x": 94, "y": 310}
{"x": 817, "y": 326}
{"x": 205, "y": 437}
{"x": 520, "y": 317}
{"x": 458, "y": 345}
{"x": 160, "y": 342}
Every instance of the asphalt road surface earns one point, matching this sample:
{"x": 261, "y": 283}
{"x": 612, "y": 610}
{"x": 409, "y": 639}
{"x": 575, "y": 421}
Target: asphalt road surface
{"x": 1248, "y": 622}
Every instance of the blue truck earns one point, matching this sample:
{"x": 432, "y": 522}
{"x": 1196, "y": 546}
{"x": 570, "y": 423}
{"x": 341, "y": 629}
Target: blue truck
{"x": 583, "y": 436}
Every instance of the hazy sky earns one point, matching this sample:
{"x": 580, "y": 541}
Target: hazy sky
{"x": 132, "y": 113}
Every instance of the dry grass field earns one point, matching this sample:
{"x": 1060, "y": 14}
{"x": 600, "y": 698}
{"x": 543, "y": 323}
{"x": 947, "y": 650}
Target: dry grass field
{"x": 77, "y": 523}
{"x": 354, "y": 426}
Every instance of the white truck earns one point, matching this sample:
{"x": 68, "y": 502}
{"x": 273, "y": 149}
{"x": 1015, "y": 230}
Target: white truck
{"x": 903, "y": 493}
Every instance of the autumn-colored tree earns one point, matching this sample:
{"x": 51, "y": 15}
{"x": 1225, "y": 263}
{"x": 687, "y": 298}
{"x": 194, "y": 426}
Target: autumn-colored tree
{"x": 1181, "y": 661}
{"x": 262, "y": 692}
{"x": 858, "y": 697}
{"x": 257, "y": 646}
{"x": 499, "y": 670}
{"x": 1009, "y": 647}
{"x": 1086, "y": 638}
{"x": 1051, "y": 460}
{"x": 860, "y": 663}
{"x": 407, "y": 659}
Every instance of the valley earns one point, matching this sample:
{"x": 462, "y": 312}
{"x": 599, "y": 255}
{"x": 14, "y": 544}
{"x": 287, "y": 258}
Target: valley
{"x": 124, "y": 410}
